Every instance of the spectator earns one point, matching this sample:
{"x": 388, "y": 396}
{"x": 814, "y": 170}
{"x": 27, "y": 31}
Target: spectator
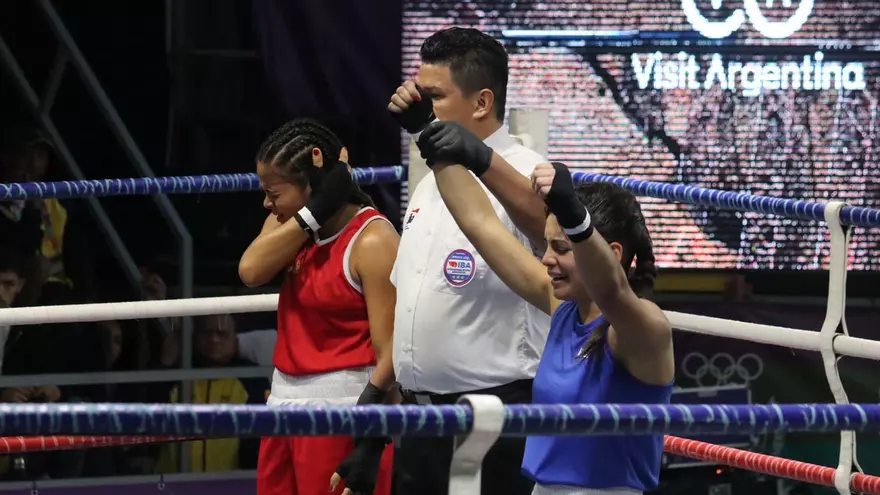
{"x": 11, "y": 282}
{"x": 12, "y": 362}
{"x": 110, "y": 342}
{"x": 152, "y": 338}
{"x": 41, "y": 228}
{"x": 215, "y": 345}
{"x": 25, "y": 352}
{"x": 114, "y": 461}
{"x": 20, "y": 220}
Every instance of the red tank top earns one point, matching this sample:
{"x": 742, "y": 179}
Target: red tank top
{"x": 322, "y": 318}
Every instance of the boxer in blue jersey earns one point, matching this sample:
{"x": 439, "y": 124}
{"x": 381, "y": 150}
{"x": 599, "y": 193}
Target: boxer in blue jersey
{"x": 607, "y": 344}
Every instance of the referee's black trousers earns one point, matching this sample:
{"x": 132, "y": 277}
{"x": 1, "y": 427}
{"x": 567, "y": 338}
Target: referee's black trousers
{"x": 421, "y": 464}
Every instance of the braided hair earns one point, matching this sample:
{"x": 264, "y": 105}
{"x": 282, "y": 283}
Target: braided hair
{"x": 617, "y": 215}
{"x": 288, "y": 150}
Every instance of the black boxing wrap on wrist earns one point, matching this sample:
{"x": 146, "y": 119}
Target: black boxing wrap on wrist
{"x": 315, "y": 175}
{"x": 371, "y": 395}
{"x": 563, "y": 203}
{"x": 336, "y": 186}
{"x": 361, "y": 467}
{"x": 419, "y": 114}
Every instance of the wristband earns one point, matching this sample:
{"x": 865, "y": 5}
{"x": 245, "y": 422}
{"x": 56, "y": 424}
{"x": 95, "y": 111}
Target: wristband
{"x": 307, "y": 221}
{"x": 582, "y": 232}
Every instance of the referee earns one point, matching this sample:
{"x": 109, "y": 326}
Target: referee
{"x": 457, "y": 328}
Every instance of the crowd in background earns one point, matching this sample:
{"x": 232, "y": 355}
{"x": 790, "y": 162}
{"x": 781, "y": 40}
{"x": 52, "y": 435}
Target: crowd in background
{"x": 45, "y": 260}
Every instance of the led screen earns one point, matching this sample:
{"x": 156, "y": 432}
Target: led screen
{"x": 766, "y": 97}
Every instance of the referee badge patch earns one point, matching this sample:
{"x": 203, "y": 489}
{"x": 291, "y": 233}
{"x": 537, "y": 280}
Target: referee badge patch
{"x": 459, "y": 268}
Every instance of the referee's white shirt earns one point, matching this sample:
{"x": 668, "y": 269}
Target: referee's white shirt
{"x": 457, "y": 327}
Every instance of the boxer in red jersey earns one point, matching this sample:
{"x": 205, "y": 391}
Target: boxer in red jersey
{"x": 335, "y": 310}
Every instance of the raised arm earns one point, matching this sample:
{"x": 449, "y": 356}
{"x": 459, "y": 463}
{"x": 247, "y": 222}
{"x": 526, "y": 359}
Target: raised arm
{"x": 508, "y": 258}
{"x": 642, "y": 332}
{"x": 449, "y": 142}
{"x": 514, "y": 192}
{"x": 641, "y": 327}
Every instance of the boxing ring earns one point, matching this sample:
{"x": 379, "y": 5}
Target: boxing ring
{"x": 479, "y": 420}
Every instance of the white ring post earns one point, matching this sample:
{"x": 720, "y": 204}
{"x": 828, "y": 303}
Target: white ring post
{"x": 834, "y": 319}
{"x": 531, "y": 127}
{"x": 467, "y": 459}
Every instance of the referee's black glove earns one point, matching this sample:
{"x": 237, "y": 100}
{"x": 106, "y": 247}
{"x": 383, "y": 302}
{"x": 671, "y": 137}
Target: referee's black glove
{"x": 449, "y": 142}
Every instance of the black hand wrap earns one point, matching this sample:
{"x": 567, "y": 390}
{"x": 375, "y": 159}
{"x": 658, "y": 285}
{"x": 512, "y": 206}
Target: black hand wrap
{"x": 419, "y": 114}
{"x": 450, "y": 143}
{"x": 336, "y": 185}
{"x": 361, "y": 467}
{"x": 563, "y": 203}
{"x": 315, "y": 176}
{"x": 371, "y": 395}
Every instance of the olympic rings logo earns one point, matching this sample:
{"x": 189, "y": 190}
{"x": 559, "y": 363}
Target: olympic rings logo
{"x": 768, "y": 28}
{"x": 722, "y": 367}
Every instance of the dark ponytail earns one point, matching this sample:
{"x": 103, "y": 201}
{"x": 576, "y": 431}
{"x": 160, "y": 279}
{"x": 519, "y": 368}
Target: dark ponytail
{"x": 289, "y": 151}
{"x": 617, "y": 216}
{"x": 644, "y": 273}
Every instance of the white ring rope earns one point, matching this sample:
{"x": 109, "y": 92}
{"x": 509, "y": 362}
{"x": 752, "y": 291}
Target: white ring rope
{"x": 134, "y": 310}
{"x": 765, "y": 334}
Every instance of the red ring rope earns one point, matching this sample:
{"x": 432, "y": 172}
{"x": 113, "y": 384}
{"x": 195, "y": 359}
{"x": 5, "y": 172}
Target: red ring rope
{"x": 17, "y": 445}
{"x": 766, "y": 464}
{"x": 760, "y": 463}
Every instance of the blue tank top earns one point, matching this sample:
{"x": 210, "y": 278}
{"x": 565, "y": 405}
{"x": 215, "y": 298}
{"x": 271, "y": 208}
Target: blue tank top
{"x": 562, "y": 377}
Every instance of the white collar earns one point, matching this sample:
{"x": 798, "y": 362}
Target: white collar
{"x": 500, "y": 139}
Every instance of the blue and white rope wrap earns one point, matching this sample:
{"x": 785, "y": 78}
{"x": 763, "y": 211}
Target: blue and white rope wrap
{"x": 520, "y": 420}
{"x": 187, "y": 184}
{"x": 203, "y": 184}
{"x": 788, "y": 208}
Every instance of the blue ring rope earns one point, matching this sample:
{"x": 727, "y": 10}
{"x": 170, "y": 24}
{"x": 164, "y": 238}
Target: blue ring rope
{"x": 202, "y": 184}
{"x": 520, "y": 420}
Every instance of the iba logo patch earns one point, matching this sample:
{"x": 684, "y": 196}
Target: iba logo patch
{"x": 459, "y": 268}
